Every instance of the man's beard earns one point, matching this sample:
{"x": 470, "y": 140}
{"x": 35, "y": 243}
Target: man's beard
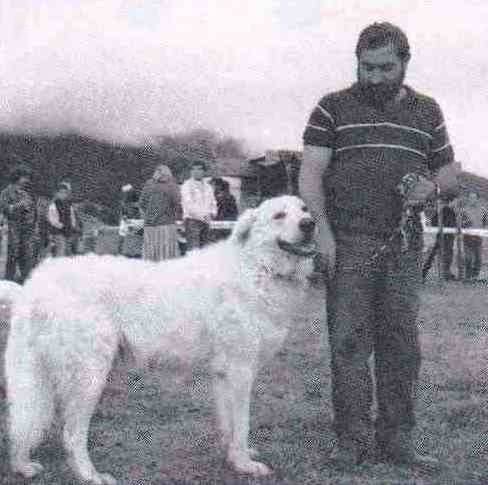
{"x": 379, "y": 95}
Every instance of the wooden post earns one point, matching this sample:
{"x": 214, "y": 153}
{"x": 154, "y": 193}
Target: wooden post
{"x": 459, "y": 242}
{"x": 440, "y": 222}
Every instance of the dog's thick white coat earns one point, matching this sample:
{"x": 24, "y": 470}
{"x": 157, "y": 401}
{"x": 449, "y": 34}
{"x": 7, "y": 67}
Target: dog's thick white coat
{"x": 231, "y": 303}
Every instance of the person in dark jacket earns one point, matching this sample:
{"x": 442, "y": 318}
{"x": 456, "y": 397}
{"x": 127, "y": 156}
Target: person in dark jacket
{"x": 160, "y": 205}
{"x": 226, "y": 202}
{"x": 226, "y": 206}
{"x": 18, "y": 206}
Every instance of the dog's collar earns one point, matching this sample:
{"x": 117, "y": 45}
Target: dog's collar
{"x": 302, "y": 250}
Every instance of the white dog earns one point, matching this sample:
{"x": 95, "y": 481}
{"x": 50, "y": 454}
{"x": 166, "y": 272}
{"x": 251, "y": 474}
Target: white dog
{"x": 231, "y": 303}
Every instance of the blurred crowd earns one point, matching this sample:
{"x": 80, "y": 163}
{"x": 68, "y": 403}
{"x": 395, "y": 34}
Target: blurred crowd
{"x": 33, "y": 227}
{"x": 464, "y": 212}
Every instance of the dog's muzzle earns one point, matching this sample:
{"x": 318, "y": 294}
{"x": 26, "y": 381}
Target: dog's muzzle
{"x": 302, "y": 249}
{"x": 306, "y": 247}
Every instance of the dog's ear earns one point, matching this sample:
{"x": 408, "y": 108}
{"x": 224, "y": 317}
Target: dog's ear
{"x": 242, "y": 229}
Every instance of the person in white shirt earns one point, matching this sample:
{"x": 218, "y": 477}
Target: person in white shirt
{"x": 199, "y": 207}
{"x": 63, "y": 225}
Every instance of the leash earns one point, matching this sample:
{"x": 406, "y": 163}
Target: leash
{"x": 406, "y": 231}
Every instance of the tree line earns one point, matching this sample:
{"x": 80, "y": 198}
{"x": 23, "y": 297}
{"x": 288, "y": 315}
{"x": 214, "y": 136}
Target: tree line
{"x": 98, "y": 169}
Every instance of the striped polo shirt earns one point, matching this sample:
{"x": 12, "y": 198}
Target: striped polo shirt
{"x": 372, "y": 150}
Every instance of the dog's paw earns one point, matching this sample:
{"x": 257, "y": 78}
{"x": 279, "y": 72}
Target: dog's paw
{"x": 251, "y": 467}
{"x": 29, "y": 469}
{"x": 103, "y": 479}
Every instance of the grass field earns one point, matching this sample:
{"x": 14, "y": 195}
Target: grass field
{"x": 145, "y": 433}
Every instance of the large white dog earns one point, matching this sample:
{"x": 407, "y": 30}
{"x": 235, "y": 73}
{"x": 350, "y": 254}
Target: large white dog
{"x": 231, "y": 304}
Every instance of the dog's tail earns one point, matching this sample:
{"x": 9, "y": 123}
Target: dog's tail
{"x": 9, "y": 291}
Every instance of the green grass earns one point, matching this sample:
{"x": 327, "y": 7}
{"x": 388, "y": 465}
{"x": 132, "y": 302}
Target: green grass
{"x": 147, "y": 433}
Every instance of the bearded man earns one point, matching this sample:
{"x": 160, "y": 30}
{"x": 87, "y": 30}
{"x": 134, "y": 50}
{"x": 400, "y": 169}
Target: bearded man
{"x": 360, "y": 145}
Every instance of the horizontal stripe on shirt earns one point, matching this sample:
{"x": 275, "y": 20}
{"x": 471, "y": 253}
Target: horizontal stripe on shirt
{"x": 326, "y": 113}
{"x": 320, "y": 128}
{"x": 443, "y": 147}
{"x": 381, "y": 145}
{"x": 385, "y": 123}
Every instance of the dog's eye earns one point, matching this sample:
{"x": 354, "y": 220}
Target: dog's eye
{"x": 279, "y": 215}
{"x": 305, "y": 208}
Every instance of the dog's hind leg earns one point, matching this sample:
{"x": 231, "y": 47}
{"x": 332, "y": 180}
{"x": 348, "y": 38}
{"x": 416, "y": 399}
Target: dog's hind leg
{"x": 30, "y": 409}
{"x": 237, "y": 386}
{"x": 77, "y": 412}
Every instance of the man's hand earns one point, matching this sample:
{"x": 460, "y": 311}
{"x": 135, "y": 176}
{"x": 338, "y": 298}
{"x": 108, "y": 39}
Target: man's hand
{"x": 326, "y": 244}
{"x": 22, "y": 205}
{"x": 416, "y": 189}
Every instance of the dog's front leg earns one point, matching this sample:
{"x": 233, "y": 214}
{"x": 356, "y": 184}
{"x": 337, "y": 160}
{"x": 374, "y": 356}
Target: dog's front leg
{"x": 238, "y": 382}
{"x": 223, "y": 404}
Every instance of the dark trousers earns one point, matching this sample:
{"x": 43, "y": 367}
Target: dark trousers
{"x": 472, "y": 256}
{"x": 447, "y": 255}
{"x": 196, "y": 233}
{"x": 373, "y": 308}
{"x": 20, "y": 253}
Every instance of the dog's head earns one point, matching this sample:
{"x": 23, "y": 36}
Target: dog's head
{"x": 280, "y": 229}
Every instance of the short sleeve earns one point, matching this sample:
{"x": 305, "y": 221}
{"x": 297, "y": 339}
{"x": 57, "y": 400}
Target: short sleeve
{"x": 320, "y": 129}
{"x": 441, "y": 151}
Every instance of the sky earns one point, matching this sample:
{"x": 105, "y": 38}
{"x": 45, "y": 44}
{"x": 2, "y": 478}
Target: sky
{"x": 129, "y": 70}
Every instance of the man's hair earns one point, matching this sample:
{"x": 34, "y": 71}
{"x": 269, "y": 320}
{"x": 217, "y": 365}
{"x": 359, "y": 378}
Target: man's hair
{"x": 64, "y": 186}
{"x": 198, "y": 163}
{"x": 381, "y": 34}
{"x": 18, "y": 172}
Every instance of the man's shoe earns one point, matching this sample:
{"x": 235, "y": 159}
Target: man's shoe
{"x": 401, "y": 451}
{"x": 351, "y": 454}
{"x": 343, "y": 457}
{"x": 420, "y": 462}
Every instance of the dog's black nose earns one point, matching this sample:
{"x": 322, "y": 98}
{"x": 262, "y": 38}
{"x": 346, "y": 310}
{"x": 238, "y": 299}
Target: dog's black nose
{"x": 306, "y": 225}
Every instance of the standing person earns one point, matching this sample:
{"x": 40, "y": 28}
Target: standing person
{"x": 199, "y": 207}
{"x": 18, "y": 205}
{"x": 448, "y": 220}
{"x": 160, "y": 207}
{"x": 473, "y": 215}
{"x": 226, "y": 202}
{"x": 63, "y": 225}
{"x": 359, "y": 145}
{"x": 226, "y": 206}
{"x": 131, "y": 238}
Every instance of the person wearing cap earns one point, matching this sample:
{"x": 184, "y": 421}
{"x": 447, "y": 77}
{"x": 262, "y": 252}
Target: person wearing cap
{"x": 372, "y": 151}
{"x": 160, "y": 206}
{"x": 18, "y": 206}
{"x": 62, "y": 222}
{"x": 199, "y": 207}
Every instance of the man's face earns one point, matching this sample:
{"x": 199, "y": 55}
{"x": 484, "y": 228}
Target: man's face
{"x": 472, "y": 198}
{"x": 197, "y": 172}
{"x": 219, "y": 193}
{"x": 63, "y": 194}
{"x": 24, "y": 182}
{"x": 381, "y": 73}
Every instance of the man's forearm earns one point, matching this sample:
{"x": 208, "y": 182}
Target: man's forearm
{"x": 315, "y": 161}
